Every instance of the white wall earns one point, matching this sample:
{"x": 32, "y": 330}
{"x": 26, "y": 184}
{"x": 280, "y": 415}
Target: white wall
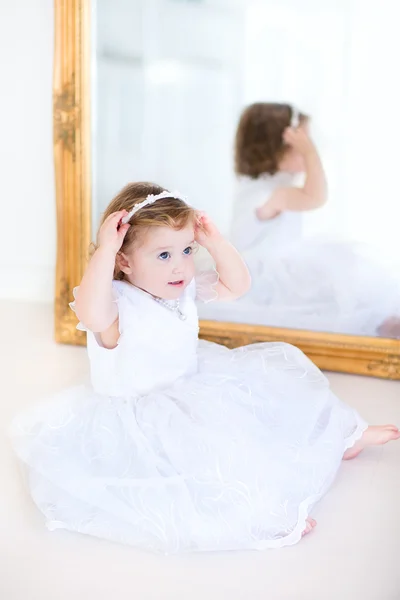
{"x": 27, "y": 196}
{"x": 166, "y": 104}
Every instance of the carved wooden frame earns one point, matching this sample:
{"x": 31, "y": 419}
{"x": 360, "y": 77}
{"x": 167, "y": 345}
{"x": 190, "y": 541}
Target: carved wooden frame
{"x": 72, "y": 154}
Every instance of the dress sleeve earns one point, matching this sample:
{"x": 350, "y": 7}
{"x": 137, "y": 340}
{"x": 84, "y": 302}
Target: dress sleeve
{"x": 206, "y": 285}
{"x": 72, "y": 306}
{"x": 94, "y": 336}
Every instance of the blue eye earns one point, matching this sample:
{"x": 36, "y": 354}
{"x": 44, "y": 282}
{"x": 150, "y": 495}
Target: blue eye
{"x": 164, "y": 256}
{"x": 188, "y": 250}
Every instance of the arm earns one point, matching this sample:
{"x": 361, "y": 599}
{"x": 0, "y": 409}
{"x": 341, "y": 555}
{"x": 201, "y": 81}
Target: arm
{"x": 234, "y": 277}
{"x": 313, "y": 194}
{"x": 95, "y": 305}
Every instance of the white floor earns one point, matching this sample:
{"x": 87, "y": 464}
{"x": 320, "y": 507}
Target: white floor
{"x": 354, "y": 553}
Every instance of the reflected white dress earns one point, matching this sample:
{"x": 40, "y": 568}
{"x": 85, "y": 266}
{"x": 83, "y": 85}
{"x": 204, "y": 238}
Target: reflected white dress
{"x": 313, "y": 283}
{"x": 181, "y": 445}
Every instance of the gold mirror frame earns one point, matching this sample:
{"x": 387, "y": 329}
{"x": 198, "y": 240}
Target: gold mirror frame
{"x": 71, "y": 104}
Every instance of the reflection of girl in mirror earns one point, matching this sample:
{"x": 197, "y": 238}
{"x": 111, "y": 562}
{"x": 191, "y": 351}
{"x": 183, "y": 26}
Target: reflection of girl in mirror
{"x": 179, "y": 445}
{"x": 301, "y": 283}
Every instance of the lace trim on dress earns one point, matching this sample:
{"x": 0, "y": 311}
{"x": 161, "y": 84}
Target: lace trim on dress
{"x": 72, "y": 305}
{"x": 206, "y": 284}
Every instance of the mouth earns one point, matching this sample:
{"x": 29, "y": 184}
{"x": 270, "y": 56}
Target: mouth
{"x": 178, "y": 283}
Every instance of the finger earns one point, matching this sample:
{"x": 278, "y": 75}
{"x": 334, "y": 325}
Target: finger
{"x": 113, "y": 221}
{"x": 123, "y": 229}
{"x": 288, "y": 134}
{"x": 201, "y": 225}
{"x": 205, "y": 220}
{"x": 120, "y": 221}
{"x": 116, "y": 216}
{"x": 120, "y": 214}
{"x": 198, "y": 224}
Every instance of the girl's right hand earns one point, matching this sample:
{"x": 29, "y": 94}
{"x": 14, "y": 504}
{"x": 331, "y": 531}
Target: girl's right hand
{"x": 299, "y": 139}
{"x": 268, "y": 211}
{"x": 112, "y": 232}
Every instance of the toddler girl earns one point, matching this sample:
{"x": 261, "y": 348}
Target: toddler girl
{"x": 181, "y": 445}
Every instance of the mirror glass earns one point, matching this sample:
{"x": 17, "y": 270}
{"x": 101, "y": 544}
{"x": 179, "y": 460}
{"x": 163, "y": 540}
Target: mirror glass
{"x": 197, "y": 96}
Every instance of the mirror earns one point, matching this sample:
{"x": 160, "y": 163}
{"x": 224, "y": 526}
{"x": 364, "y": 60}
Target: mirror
{"x": 166, "y": 109}
{"x": 169, "y": 82}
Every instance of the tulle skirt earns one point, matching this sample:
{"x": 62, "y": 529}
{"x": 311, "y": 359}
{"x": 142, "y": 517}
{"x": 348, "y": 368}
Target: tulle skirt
{"x": 331, "y": 286}
{"x": 233, "y": 457}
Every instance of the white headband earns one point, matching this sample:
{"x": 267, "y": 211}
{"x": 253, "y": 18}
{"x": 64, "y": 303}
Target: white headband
{"x": 295, "y": 120}
{"x": 151, "y": 198}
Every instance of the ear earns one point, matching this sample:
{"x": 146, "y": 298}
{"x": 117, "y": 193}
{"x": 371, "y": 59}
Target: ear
{"x": 123, "y": 263}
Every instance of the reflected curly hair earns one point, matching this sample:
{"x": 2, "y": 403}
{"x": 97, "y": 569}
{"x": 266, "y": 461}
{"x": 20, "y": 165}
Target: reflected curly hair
{"x": 259, "y": 145}
{"x": 168, "y": 212}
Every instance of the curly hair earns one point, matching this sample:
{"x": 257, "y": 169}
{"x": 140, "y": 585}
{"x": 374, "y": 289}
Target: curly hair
{"x": 259, "y": 145}
{"x": 169, "y": 212}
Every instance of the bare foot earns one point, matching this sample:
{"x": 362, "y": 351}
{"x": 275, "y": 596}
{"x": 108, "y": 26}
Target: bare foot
{"x": 375, "y": 435}
{"x": 390, "y": 328}
{"x": 310, "y": 524}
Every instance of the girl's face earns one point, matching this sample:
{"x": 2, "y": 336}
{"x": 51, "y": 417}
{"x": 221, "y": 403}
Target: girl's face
{"x": 163, "y": 263}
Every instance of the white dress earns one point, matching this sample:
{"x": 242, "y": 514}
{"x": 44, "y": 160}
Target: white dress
{"x": 314, "y": 283}
{"x": 181, "y": 445}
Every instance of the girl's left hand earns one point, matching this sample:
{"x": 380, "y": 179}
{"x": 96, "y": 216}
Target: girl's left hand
{"x": 299, "y": 139}
{"x": 268, "y": 211}
{"x": 206, "y": 232}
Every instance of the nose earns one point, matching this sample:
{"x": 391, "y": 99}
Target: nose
{"x": 177, "y": 269}
{"x": 178, "y": 266}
